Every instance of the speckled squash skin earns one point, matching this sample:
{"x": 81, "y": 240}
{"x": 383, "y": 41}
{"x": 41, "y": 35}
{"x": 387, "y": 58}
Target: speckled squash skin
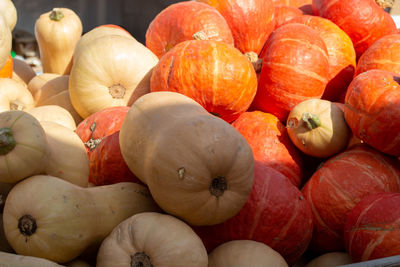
{"x": 372, "y": 110}
{"x": 339, "y": 185}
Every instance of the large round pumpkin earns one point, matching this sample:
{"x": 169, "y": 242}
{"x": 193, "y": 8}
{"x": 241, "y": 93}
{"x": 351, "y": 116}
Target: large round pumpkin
{"x": 339, "y": 185}
{"x": 214, "y": 74}
{"x": 180, "y": 21}
{"x": 292, "y": 3}
{"x": 295, "y": 68}
{"x": 271, "y": 144}
{"x": 284, "y": 14}
{"x": 372, "y": 109}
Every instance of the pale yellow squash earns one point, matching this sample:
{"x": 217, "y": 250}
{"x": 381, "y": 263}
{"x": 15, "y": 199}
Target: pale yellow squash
{"x": 22, "y": 72}
{"x": 48, "y": 217}
{"x": 5, "y": 41}
{"x": 54, "y": 114}
{"x": 13, "y": 260}
{"x": 331, "y": 259}
{"x": 9, "y": 12}
{"x": 152, "y": 239}
{"x": 36, "y": 83}
{"x": 14, "y": 96}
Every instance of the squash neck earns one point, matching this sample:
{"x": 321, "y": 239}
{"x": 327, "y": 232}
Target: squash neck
{"x": 140, "y": 259}
{"x": 56, "y": 14}
{"x": 7, "y": 141}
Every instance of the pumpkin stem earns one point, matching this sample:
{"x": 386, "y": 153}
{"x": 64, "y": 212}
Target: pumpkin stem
{"x": 311, "y": 121}
{"x": 93, "y": 143}
{"x": 385, "y": 3}
{"x": 7, "y": 141}
{"x": 56, "y": 14}
{"x": 257, "y": 62}
{"x": 117, "y": 91}
{"x": 140, "y": 259}
{"x": 200, "y": 36}
{"x": 218, "y": 186}
{"x": 27, "y": 225}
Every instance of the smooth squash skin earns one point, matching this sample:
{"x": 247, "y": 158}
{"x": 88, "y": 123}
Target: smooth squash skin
{"x": 5, "y": 41}
{"x": 197, "y": 166}
{"x": 13, "y": 260}
{"x": 22, "y": 72}
{"x": 152, "y": 239}
{"x": 50, "y": 218}
{"x": 36, "y": 83}
{"x": 331, "y": 259}
{"x": 55, "y": 114}
{"x": 14, "y": 96}
{"x": 9, "y": 12}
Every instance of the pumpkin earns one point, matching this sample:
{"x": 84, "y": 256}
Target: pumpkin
{"x": 214, "y": 74}
{"x": 7, "y": 70}
{"x": 337, "y": 186}
{"x": 9, "y": 12}
{"x": 283, "y": 14}
{"x": 292, "y": 3}
{"x": 54, "y": 114}
{"x": 109, "y": 71}
{"x": 36, "y": 83}
{"x": 5, "y": 40}
{"x": 13, "y": 260}
{"x": 318, "y": 128}
{"x": 331, "y": 259}
{"x": 197, "y": 166}
{"x": 67, "y": 158}
{"x": 372, "y": 229}
{"x": 22, "y": 72}
{"x": 240, "y": 253}
{"x": 152, "y": 239}
{"x": 251, "y": 22}
{"x": 270, "y": 143}
{"x": 363, "y": 20}
{"x": 23, "y": 147}
{"x": 372, "y": 110}
{"x": 180, "y": 21}
{"x": 276, "y": 214}
{"x": 295, "y": 68}
{"x": 14, "y": 96}
{"x": 341, "y": 54}
{"x": 57, "y": 33}
{"x": 42, "y": 207}
{"x": 383, "y": 55}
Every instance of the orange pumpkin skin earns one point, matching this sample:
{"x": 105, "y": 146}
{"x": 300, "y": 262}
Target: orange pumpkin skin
{"x": 275, "y": 214}
{"x": 284, "y": 14}
{"x": 342, "y": 56}
{"x": 295, "y": 68}
{"x": 292, "y": 3}
{"x": 363, "y": 20}
{"x": 339, "y": 185}
{"x": 372, "y": 229}
{"x": 271, "y": 145}
{"x": 7, "y": 70}
{"x": 384, "y": 54}
{"x": 178, "y": 22}
{"x": 227, "y": 91}
{"x": 251, "y": 21}
{"x": 372, "y": 110}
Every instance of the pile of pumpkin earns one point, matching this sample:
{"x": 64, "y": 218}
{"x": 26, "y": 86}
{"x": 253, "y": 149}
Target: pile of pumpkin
{"x": 245, "y": 133}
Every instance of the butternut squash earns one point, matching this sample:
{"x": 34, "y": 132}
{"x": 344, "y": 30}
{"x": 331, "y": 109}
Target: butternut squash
{"x": 9, "y": 12}
{"x": 54, "y": 114}
{"x": 57, "y": 33}
{"x": 36, "y": 83}
{"x": 48, "y": 217}
{"x": 13, "y": 260}
{"x": 14, "y": 96}
{"x": 331, "y": 259}
{"x": 5, "y": 40}
{"x": 22, "y": 72}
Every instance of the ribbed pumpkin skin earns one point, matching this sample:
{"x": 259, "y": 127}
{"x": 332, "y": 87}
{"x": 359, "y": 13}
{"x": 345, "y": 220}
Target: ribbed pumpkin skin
{"x": 384, "y": 54}
{"x": 342, "y": 56}
{"x": 285, "y": 13}
{"x": 275, "y": 214}
{"x": 251, "y": 21}
{"x": 372, "y": 229}
{"x": 295, "y": 68}
{"x": 372, "y": 110}
{"x": 271, "y": 145}
{"x": 363, "y": 20}
{"x": 214, "y": 74}
{"x": 292, "y": 3}
{"x": 339, "y": 185}
{"x": 178, "y": 22}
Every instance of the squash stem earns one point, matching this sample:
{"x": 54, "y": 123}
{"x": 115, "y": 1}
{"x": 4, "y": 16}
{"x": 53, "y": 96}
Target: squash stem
{"x": 257, "y": 62}
{"x": 7, "y": 141}
{"x": 218, "y": 186}
{"x": 311, "y": 121}
{"x": 140, "y": 259}
{"x": 200, "y": 35}
{"x": 385, "y": 3}
{"x": 56, "y": 14}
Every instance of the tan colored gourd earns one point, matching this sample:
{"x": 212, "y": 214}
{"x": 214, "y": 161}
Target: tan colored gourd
{"x": 36, "y": 83}
{"x": 110, "y": 71}
{"x": 197, "y": 166}
{"x": 57, "y": 33}
{"x": 240, "y": 253}
{"x": 13, "y": 260}
{"x": 152, "y": 239}
{"x": 5, "y": 41}
{"x": 14, "y": 96}
{"x": 22, "y": 72}
{"x": 23, "y": 146}
{"x": 54, "y": 114}
{"x": 331, "y": 259}
{"x": 48, "y": 217}
{"x": 9, "y": 12}
{"x": 318, "y": 128}
{"x": 67, "y": 157}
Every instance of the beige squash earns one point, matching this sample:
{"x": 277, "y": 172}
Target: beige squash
{"x": 23, "y": 146}
{"x": 331, "y": 259}
{"x": 54, "y": 114}
{"x": 13, "y": 260}
{"x": 9, "y": 12}
{"x": 152, "y": 239}
{"x": 22, "y": 72}
{"x": 239, "y": 253}
{"x": 110, "y": 71}
{"x": 48, "y": 217}
{"x": 197, "y": 166}
{"x": 57, "y": 33}
{"x": 5, "y": 41}
{"x": 14, "y": 96}
{"x": 66, "y": 155}
{"x": 36, "y": 83}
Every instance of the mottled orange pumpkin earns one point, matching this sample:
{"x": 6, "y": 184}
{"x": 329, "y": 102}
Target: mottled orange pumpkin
{"x": 284, "y": 14}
